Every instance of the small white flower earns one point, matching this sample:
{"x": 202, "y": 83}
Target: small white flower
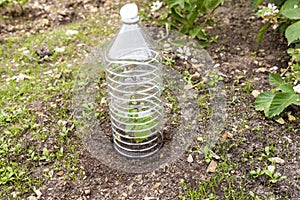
{"x": 184, "y": 52}
{"x": 297, "y": 88}
{"x": 271, "y": 10}
{"x": 156, "y": 6}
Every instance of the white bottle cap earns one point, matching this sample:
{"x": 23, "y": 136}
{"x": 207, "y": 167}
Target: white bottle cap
{"x": 129, "y": 13}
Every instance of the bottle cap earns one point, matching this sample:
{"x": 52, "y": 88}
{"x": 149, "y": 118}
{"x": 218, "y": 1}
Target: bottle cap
{"x": 129, "y": 13}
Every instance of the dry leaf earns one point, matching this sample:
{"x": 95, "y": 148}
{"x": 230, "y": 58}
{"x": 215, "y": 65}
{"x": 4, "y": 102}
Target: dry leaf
{"x": 60, "y": 173}
{"x": 291, "y": 117}
{"x": 156, "y": 185}
{"x": 211, "y": 167}
{"x": 277, "y": 160}
{"x": 226, "y": 135}
{"x": 280, "y": 121}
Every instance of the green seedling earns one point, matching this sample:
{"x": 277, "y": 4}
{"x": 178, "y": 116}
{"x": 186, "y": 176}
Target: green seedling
{"x": 140, "y": 126}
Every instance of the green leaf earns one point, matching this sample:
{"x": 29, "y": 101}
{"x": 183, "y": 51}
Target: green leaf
{"x": 282, "y": 101}
{"x": 286, "y": 87}
{"x": 275, "y": 80}
{"x": 262, "y": 31}
{"x": 177, "y": 16}
{"x": 297, "y": 76}
{"x": 290, "y": 9}
{"x": 292, "y": 13}
{"x": 198, "y": 33}
{"x": 292, "y": 33}
{"x": 289, "y": 4}
{"x": 296, "y": 68}
{"x": 268, "y": 173}
{"x": 263, "y": 101}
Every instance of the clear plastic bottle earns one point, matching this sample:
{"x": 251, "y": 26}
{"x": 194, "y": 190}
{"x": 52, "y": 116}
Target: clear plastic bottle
{"x": 134, "y": 80}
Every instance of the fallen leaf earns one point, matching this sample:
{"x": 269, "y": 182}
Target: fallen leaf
{"x": 277, "y": 160}
{"x": 190, "y": 158}
{"x": 291, "y": 117}
{"x": 211, "y": 167}
{"x": 261, "y": 70}
{"x": 60, "y": 173}
{"x": 255, "y": 93}
{"x": 156, "y": 185}
{"x": 280, "y": 121}
{"x": 226, "y": 135}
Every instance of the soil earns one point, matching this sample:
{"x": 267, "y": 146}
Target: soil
{"x": 240, "y": 59}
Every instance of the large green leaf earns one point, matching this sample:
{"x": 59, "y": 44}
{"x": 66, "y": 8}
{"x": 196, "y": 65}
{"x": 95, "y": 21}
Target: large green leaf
{"x": 288, "y": 4}
{"x": 263, "y": 101}
{"x": 275, "y": 80}
{"x": 292, "y": 32}
{"x": 291, "y": 9}
{"x": 280, "y": 102}
{"x": 291, "y": 13}
{"x": 286, "y": 87}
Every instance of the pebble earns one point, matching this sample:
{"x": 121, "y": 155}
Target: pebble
{"x": 87, "y": 192}
{"x": 190, "y": 158}
{"x": 194, "y": 61}
{"x": 31, "y": 198}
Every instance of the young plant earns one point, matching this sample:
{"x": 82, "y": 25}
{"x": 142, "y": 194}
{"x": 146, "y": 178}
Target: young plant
{"x": 139, "y": 125}
{"x": 184, "y": 16}
{"x": 275, "y": 101}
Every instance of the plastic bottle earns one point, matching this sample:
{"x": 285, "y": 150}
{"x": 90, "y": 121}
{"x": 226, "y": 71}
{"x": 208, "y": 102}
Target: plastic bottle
{"x": 134, "y": 81}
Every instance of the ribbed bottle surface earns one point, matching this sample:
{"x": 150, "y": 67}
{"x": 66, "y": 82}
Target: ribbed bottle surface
{"x": 134, "y": 82}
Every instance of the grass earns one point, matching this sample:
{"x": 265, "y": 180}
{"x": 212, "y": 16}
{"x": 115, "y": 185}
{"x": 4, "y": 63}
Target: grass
{"x": 245, "y": 158}
{"x": 38, "y": 136}
{"x": 39, "y": 139}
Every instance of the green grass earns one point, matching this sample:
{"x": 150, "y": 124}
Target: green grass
{"x": 38, "y": 136}
{"x": 250, "y": 149}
